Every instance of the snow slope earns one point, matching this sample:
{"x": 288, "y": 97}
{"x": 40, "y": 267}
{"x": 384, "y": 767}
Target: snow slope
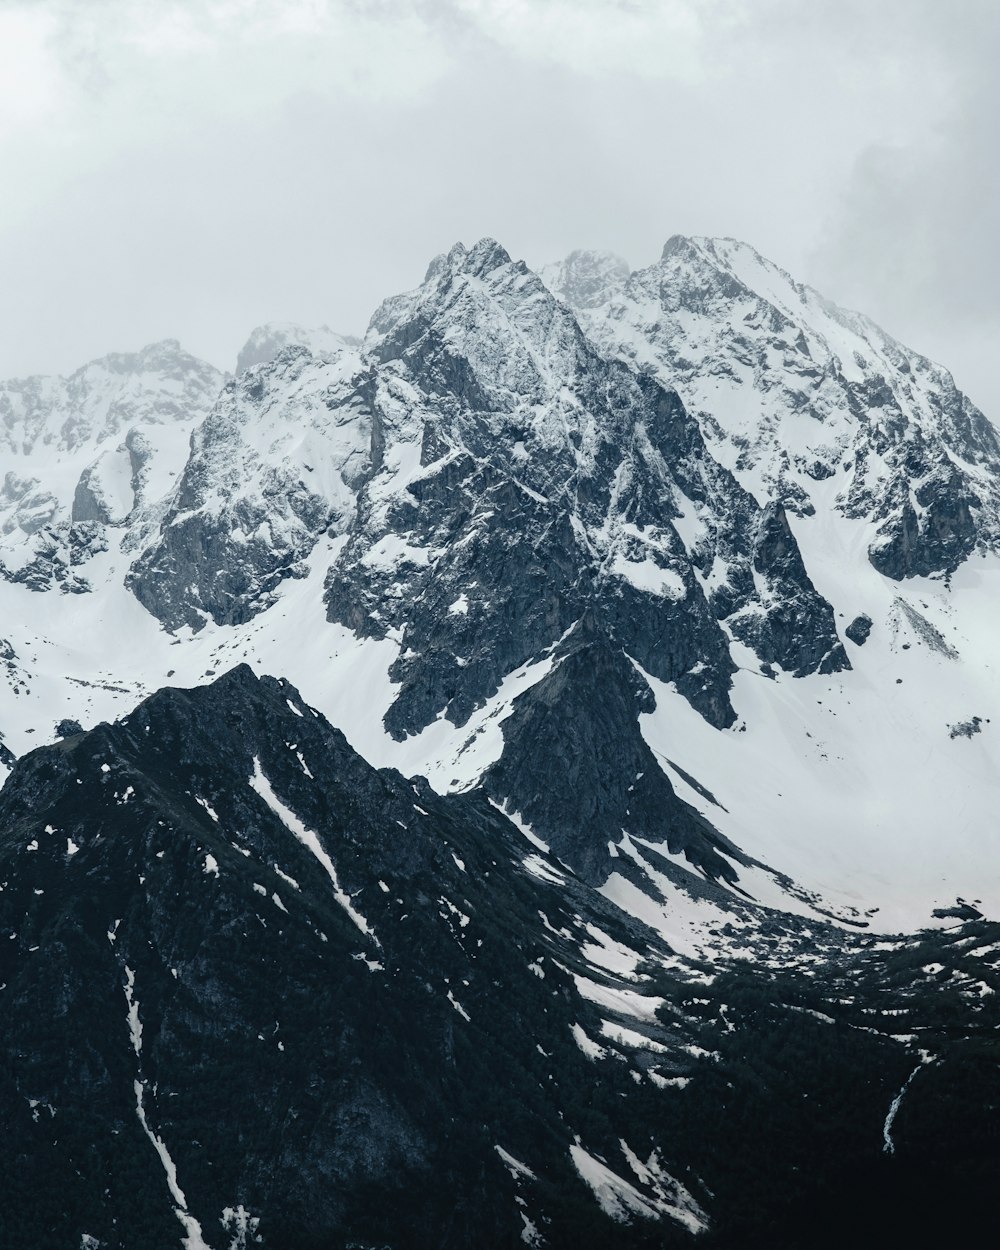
{"x": 791, "y": 390}
{"x": 330, "y": 470}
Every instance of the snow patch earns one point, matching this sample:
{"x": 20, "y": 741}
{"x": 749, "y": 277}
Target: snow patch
{"x": 620, "y": 1001}
{"x": 193, "y": 1239}
{"x": 458, "y": 1007}
{"x": 515, "y": 1167}
{"x": 621, "y": 1200}
{"x": 311, "y": 842}
{"x": 589, "y": 1047}
{"x": 543, "y": 871}
{"x": 208, "y": 807}
{"x": 241, "y": 1225}
{"x": 648, "y": 576}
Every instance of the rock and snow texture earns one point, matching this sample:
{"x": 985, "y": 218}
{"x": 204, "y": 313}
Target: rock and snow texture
{"x": 525, "y": 480}
{"x": 586, "y": 279}
{"x": 91, "y": 451}
{"x": 420, "y": 530}
{"x": 684, "y": 600}
{"x": 215, "y": 1059}
{"x": 268, "y": 341}
{"x": 309, "y": 839}
{"x": 622, "y": 1201}
{"x": 889, "y": 1146}
{"x": 193, "y": 1239}
{"x": 241, "y": 1012}
{"x": 791, "y": 390}
{"x": 274, "y": 467}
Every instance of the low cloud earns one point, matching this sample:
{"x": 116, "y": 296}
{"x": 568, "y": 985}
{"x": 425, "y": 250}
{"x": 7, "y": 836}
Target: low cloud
{"x": 192, "y": 168}
{"x": 913, "y": 237}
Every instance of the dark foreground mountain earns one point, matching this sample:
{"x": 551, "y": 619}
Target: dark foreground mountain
{"x": 254, "y": 991}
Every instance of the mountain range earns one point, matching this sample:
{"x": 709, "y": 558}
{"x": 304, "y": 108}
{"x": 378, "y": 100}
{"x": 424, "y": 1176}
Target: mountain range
{"x": 524, "y": 776}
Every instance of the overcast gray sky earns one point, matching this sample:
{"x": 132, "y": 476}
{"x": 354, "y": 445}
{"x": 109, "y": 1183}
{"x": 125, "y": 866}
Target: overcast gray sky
{"x": 191, "y": 168}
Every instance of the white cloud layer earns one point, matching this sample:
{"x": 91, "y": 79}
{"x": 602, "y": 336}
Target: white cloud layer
{"x": 189, "y": 168}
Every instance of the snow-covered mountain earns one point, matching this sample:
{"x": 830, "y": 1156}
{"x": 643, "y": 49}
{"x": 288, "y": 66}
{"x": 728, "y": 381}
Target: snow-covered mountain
{"x": 642, "y": 767}
{"x": 91, "y": 451}
{"x": 793, "y": 392}
{"x": 273, "y": 467}
{"x": 498, "y": 518}
{"x": 268, "y": 341}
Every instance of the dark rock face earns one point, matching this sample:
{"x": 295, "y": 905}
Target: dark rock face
{"x": 256, "y": 992}
{"x": 576, "y": 768}
{"x": 59, "y": 553}
{"x": 940, "y": 537}
{"x": 246, "y": 513}
{"x": 961, "y": 911}
{"x": 336, "y": 1056}
{"x": 798, "y": 632}
{"x": 765, "y": 364}
{"x": 551, "y": 482}
{"x": 87, "y": 503}
{"x": 859, "y": 629}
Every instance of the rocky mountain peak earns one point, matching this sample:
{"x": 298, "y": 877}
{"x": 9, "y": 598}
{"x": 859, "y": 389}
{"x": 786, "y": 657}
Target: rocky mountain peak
{"x": 586, "y": 279}
{"x": 485, "y": 256}
{"x": 91, "y": 451}
{"x": 445, "y": 261}
{"x": 483, "y": 474}
{"x": 273, "y": 467}
{"x": 165, "y": 356}
{"x": 162, "y": 352}
{"x": 752, "y": 353}
{"x": 549, "y": 482}
{"x": 160, "y": 384}
{"x": 449, "y": 331}
{"x": 601, "y": 865}
{"x": 268, "y": 340}
{"x": 677, "y": 244}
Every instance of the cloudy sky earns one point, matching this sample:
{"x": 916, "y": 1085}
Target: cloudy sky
{"x": 191, "y": 168}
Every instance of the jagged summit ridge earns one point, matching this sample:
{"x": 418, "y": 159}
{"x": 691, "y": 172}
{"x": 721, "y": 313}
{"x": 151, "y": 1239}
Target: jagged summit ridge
{"x": 475, "y": 480}
{"x": 791, "y": 391}
{"x": 586, "y": 279}
{"x": 266, "y": 341}
{"x": 479, "y": 299}
{"x": 481, "y": 402}
{"x": 91, "y": 451}
{"x": 159, "y": 384}
{"x": 524, "y": 478}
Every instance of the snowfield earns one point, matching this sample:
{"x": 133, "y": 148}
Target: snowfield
{"x": 850, "y": 783}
